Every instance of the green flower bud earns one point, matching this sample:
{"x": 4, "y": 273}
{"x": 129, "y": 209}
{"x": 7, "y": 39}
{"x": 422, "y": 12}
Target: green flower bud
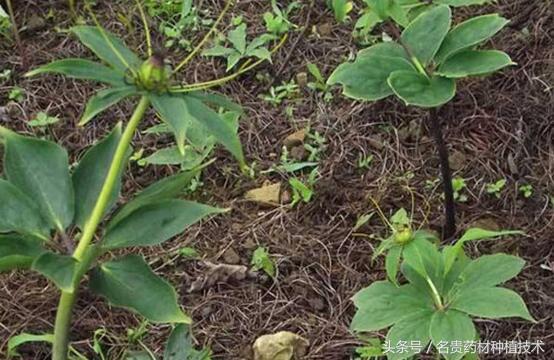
{"x": 403, "y": 236}
{"x": 152, "y": 73}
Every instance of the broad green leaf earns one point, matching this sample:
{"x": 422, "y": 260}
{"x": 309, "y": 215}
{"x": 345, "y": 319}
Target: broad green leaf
{"x": 23, "y": 338}
{"x": 425, "y": 34}
{"x": 448, "y": 327}
{"x": 168, "y": 188}
{"x": 366, "y": 77}
{"x": 401, "y": 218}
{"x": 60, "y": 269}
{"x": 89, "y": 176}
{"x": 450, "y": 253}
{"x": 492, "y": 303}
{"x": 18, "y": 252}
{"x": 203, "y": 116}
{"x": 180, "y": 347}
{"x": 382, "y": 304}
{"x": 168, "y": 156}
{"x": 416, "y": 89}
{"x": 81, "y": 69}
{"x": 414, "y": 329}
{"x": 130, "y": 283}
{"x": 233, "y": 60}
{"x": 217, "y": 100}
{"x": 155, "y": 223}
{"x": 261, "y": 260}
{"x": 173, "y": 110}
{"x": 423, "y": 257}
{"x": 237, "y": 37}
{"x": 470, "y": 33}
{"x": 490, "y": 270}
{"x": 104, "y": 99}
{"x": 107, "y": 47}
{"x": 261, "y": 53}
{"x": 392, "y": 262}
{"x": 218, "y": 50}
{"x": 40, "y": 169}
{"x": 19, "y": 213}
{"x": 473, "y": 63}
{"x": 458, "y": 3}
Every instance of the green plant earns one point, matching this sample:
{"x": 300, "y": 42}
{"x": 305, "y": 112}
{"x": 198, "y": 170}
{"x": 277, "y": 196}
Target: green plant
{"x": 421, "y": 68}
{"x": 240, "y": 49}
{"x": 445, "y": 289}
{"x": 277, "y": 94}
{"x": 372, "y": 351}
{"x": 261, "y": 260}
{"x": 74, "y": 204}
{"x": 16, "y": 94}
{"x": 319, "y": 84}
{"x": 526, "y": 190}
{"x": 303, "y": 191}
{"x": 43, "y": 119}
{"x": 495, "y": 188}
{"x": 458, "y": 185}
{"x": 364, "y": 161}
{"x": 341, "y": 9}
{"x": 277, "y": 22}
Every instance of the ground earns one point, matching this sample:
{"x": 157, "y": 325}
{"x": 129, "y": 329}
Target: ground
{"x": 500, "y": 127}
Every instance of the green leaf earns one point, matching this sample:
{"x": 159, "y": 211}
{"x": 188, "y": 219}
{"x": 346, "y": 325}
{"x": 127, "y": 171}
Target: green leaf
{"x": 104, "y": 99}
{"x": 217, "y": 100}
{"x": 203, "y": 116}
{"x": 218, "y": 50}
{"x": 448, "y": 327}
{"x": 425, "y": 34}
{"x": 392, "y": 262}
{"x": 173, "y": 110}
{"x": 366, "y": 78}
{"x": 417, "y": 89}
{"x": 169, "y": 156}
{"x": 19, "y": 213}
{"x": 261, "y": 53}
{"x": 450, "y": 253}
{"x": 413, "y": 329}
{"x": 458, "y": 3}
{"x": 237, "y": 37}
{"x": 180, "y": 347}
{"x": 261, "y": 260}
{"x": 474, "y": 62}
{"x": 382, "y": 304}
{"x": 490, "y": 270}
{"x": 81, "y": 69}
{"x": 130, "y": 283}
{"x": 155, "y": 223}
{"x": 107, "y": 47}
{"x": 60, "y": 269}
{"x": 43, "y": 119}
{"x": 233, "y": 60}
{"x": 164, "y": 189}
{"x": 23, "y": 338}
{"x": 470, "y": 33}
{"x": 18, "y": 252}
{"x": 40, "y": 169}
{"x": 89, "y": 177}
{"x": 423, "y": 257}
{"x": 492, "y": 303}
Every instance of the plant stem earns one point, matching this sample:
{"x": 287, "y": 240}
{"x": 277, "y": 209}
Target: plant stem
{"x": 436, "y": 295}
{"x": 449, "y": 206}
{"x": 85, "y": 253}
{"x": 16, "y": 36}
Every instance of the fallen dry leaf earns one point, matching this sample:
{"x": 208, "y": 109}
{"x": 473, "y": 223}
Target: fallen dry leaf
{"x": 295, "y": 139}
{"x": 283, "y": 345}
{"x": 267, "y": 194}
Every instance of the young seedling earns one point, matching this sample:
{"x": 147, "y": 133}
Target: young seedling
{"x": 421, "y": 68}
{"x": 458, "y": 185}
{"x": 526, "y": 190}
{"x": 303, "y": 191}
{"x": 55, "y": 205}
{"x": 445, "y": 290}
{"x": 319, "y": 84}
{"x": 341, "y": 9}
{"x": 42, "y": 119}
{"x": 495, "y": 188}
{"x": 261, "y": 260}
{"x": 277, "y": 94}
{"x": 277, "y": 22}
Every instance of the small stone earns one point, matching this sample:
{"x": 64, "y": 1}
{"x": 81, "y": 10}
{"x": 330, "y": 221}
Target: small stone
{"x": 267, "y": 194}
{"x": 302, "y": 79}
{"x": 230, "y": 256}
{"x": 457, "y": 160}
{"x": 299, "y": 153}
{"x": 295, "y": 139}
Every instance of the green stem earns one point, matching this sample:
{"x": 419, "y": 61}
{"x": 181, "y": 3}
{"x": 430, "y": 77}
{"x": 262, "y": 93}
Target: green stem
{"x": 84, "y": 253}
{"x": 436, "y": 295}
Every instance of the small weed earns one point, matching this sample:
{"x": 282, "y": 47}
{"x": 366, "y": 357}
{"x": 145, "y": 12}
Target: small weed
{"x": 188, "y": 252}
{"x": 17, "y": 94}
{"x": 526, "y": 190}
{"x": 320, "y": 83}
{"x": 459, "y": 184}
{"x": 277, "y": 94}
{"x": 277, "y": 22}
{"x": 364, "y": 161}
{"x": 42, "y": 119}
{"x": 303, "y": 191}
{"x": 496, "y": 188}
{"x": 372, "y": 351}
{"x": 261, "y": 260}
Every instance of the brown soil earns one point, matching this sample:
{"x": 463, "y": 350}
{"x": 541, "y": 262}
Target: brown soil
{"x": 499, "y": 127}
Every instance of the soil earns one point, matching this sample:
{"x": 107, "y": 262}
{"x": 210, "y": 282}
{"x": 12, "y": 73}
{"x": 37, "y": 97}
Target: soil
{"x": 499, "y": 127}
